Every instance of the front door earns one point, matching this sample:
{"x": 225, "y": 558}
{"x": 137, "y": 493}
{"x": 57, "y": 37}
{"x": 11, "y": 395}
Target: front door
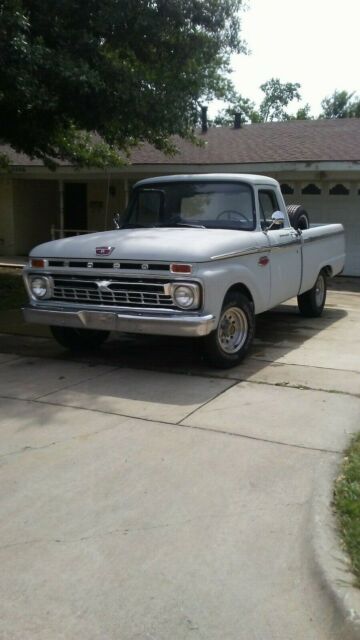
{"x": 75, "y": 206}
{"x": 285, "y": 255}
{"x": 285, "y": 264}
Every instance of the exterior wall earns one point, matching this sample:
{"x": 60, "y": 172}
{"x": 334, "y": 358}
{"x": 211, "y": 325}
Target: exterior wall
{"x": 7, "y": 239}
{"x": 36, "y": 208}
{"x": 29, "y": 208}
{"x": 102, "y": 205}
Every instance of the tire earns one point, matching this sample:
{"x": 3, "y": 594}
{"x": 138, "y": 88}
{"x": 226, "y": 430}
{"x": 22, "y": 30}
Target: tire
{"x": 78, "y": 339}
{"x": 229, "y": 343}
{"x": 299, "y": 218}
{"x": 312, "y": 302}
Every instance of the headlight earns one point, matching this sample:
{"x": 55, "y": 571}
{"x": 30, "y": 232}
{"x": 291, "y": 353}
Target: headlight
{"x": 186, "y": 296}
{"x": 40, "y": 287}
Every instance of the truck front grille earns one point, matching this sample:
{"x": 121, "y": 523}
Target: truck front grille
{"x": 111, "y": 291}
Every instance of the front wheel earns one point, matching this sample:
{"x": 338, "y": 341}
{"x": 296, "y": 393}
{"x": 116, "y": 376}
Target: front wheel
{"x": 228, "y": 344}
{"x": 312, "y": 302}
{"x": 78, "y": 339}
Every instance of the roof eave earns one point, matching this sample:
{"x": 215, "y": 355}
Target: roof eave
{"x": 308, "y": 167}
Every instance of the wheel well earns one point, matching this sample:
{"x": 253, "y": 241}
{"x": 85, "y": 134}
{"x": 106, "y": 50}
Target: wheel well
{"x": 240, "y": 288}
{"x": 328, "y": 271}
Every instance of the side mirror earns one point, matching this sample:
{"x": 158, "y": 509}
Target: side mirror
{"x": 277, "y": 221}
{"x": 278, "y": 217}
{"x": 116, "y": 220}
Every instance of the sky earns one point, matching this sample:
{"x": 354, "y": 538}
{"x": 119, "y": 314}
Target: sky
{"x": 313, "y": 42}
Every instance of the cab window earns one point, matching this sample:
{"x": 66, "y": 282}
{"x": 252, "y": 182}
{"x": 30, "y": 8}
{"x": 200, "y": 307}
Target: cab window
{"x": 268, "y": 204}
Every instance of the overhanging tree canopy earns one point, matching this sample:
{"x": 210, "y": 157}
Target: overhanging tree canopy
{"x": 129, "y": 70}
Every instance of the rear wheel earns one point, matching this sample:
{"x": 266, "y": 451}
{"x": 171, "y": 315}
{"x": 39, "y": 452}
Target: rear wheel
{"x": 312, "y": 302}
{"x": 228, "y": 344}
{"x": 78, "y": 339}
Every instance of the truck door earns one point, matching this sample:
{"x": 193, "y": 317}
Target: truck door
{"x": 285, "y": 255}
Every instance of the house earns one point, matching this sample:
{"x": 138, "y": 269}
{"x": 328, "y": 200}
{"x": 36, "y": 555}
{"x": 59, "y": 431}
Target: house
{"x": 317, "y": 163}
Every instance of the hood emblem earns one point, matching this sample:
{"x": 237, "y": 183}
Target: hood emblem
{"x": 104, "y": 251}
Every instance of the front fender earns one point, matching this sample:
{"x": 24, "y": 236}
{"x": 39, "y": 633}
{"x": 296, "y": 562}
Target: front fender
{"x": 219, "y": 277}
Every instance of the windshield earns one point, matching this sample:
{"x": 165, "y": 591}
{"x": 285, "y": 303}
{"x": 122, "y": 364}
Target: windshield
{"x": 216, "y": 205}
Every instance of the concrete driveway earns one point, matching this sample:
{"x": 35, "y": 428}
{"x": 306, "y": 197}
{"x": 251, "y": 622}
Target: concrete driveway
{"x": 145, "y": 497}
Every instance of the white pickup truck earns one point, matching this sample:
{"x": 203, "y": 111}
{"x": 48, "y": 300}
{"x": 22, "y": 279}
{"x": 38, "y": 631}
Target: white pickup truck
{"x": 192, "y": 255}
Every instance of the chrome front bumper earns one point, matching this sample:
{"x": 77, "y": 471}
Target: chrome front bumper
{"x": 166, "y": 324}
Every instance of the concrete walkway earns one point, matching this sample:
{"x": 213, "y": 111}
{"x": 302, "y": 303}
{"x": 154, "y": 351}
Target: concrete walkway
{"x": 146, "y": 497}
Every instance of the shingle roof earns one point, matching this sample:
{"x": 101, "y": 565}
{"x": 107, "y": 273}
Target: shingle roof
{"x": 291, "y": 141}
{"x": 19, "y": 159}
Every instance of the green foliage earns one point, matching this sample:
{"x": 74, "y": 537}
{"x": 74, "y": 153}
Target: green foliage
{"x": 236, "y": 104}
{"x": 4, "y": 161}
{"x": 347, "y": 504}
{"x": 303, "y": 113}
{"x": 341, "y": 104}
{"x": 127, "y": 70}
{"x": 277, "y": 96}
{"x": 273, "y": 106}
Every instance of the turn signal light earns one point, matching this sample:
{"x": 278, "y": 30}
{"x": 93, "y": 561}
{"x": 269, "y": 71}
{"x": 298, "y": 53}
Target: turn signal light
{"x": 35, "y": 262}
{"x": 180, "y": 268}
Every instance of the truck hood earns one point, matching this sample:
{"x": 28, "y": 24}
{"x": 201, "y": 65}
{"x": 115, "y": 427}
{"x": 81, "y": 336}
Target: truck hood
{"x": 180, "y": 244}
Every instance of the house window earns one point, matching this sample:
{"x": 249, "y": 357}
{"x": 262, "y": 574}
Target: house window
{"x": 286, "y": 189}
{"x": 339, "y": 190}
{"x": 311, "y": 190}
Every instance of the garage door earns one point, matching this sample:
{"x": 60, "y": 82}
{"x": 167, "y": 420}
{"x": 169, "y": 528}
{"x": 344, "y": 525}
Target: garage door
{"x": 326, "y": 208}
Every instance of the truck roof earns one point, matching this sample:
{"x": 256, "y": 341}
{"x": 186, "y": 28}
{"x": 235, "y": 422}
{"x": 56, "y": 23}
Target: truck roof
{"x": 210, "y": 177}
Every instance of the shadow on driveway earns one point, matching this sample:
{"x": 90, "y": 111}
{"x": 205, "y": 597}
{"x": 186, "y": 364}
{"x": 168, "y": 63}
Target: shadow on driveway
{"x": 282, "y": 328}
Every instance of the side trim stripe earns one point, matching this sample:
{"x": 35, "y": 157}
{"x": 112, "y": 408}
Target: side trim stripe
{"x": 246, "y": 252}
{"x": 323, "y": 237}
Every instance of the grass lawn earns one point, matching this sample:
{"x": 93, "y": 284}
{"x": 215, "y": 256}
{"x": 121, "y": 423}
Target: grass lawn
{"x": 12, "y": 291}
{"x": 347, "y": 504}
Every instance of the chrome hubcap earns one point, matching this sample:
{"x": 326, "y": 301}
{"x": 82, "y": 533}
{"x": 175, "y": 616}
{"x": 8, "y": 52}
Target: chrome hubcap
{"x": 319, "y": 290}
{"x": 232, "y": 330}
